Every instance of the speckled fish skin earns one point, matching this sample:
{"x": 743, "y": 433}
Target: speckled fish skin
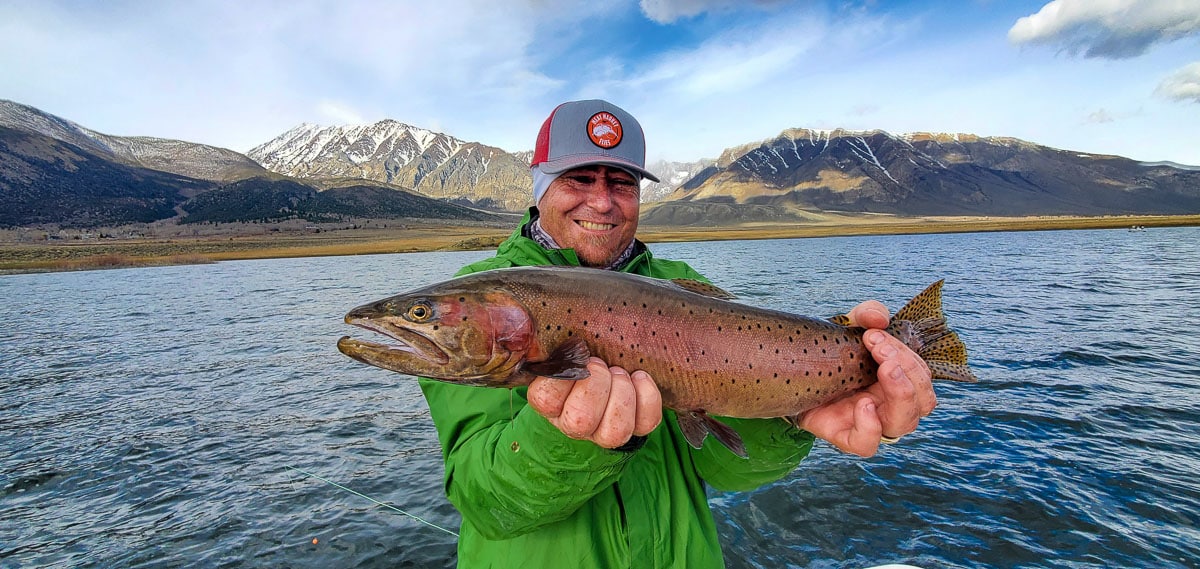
{"x": 706, "y": 354}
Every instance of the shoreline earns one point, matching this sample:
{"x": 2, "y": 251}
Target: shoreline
{"x": 20, "y": 257}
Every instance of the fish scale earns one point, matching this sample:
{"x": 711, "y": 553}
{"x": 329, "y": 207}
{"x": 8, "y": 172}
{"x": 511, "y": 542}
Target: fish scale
{"x": 707, "y": 355}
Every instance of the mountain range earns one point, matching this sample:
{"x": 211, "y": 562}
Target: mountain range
{"x": 53, "y": 171}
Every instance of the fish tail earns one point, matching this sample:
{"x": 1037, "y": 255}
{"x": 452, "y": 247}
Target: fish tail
{"x": 921, "y": 325}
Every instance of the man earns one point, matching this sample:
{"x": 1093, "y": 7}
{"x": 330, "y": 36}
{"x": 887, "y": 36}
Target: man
{"x": 595, "y": 473}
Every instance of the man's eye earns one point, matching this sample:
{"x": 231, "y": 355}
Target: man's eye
{"x": 585, "y": 180}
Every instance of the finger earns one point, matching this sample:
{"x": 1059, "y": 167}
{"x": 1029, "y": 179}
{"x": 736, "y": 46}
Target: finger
{"x": 616, "y": 424}
{"x": 547, "y": 395}
{"x": 862, "y": 436}
{"x": 869, "y": 314}
{"x": 900, "y": 413}
{"x": 649, "y": 403}
{"x": 585, "y": 405}
{"x": 912, "y": 381}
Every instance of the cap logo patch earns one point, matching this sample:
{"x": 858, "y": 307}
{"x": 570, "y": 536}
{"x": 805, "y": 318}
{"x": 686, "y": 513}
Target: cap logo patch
{"x": 604, "y": 129}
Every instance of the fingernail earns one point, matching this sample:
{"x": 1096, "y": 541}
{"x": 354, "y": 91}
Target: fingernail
{"x": 898, "y": 374}
{"x": 874, "y": 336}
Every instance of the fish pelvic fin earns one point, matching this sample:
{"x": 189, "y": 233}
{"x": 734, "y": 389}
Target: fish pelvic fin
{"x": 921, "y": 325}
{"x": 697, "y": 425}
{"x": 567, "y": 361}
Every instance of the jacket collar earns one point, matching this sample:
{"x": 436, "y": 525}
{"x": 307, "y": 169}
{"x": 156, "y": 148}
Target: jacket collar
{"x": 523, "y": 240}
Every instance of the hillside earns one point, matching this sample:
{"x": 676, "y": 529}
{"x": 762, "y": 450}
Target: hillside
{"x": 804, "y": 171}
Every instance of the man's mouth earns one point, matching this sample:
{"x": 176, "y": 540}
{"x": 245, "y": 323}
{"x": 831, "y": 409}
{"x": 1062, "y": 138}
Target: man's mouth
{"x": 595, "y": 226}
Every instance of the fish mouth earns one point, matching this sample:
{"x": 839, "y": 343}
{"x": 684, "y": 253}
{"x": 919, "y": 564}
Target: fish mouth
{"x": 407, "y": 344}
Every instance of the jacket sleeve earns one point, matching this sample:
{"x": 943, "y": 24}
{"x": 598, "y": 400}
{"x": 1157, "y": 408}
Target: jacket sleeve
{"x": 775, "y": 449}
{"x": 508, "y": 470}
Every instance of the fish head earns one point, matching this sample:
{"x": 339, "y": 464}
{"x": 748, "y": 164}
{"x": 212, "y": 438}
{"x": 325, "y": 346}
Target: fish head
{"x": 458, "y": 336}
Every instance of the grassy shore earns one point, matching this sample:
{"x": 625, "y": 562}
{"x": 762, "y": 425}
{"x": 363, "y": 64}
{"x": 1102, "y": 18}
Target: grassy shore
{"x": 111, "y": 253}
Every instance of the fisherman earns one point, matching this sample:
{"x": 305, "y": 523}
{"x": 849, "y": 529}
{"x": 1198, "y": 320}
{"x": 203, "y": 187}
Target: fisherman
{"x": 595, "y": 473}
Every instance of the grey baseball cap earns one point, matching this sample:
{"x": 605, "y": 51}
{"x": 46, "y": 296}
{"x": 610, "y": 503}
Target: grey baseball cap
{"x": 580, "y": 133}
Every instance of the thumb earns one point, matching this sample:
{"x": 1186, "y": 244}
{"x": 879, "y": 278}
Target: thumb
{"x": 863, "y": 437}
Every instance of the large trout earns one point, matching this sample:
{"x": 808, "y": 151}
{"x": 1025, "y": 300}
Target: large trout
{"x": 707, "y": 355}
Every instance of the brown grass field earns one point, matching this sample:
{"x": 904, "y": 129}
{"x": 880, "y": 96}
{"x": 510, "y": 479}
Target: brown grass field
{"x": 17, "y": 256}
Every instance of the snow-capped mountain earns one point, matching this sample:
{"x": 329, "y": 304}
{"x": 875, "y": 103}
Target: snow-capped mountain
{"x": 924, "y": 174}
{"x": 189, "y": 159}
{"x": 433, "y": 164}
{"x": 671, "y": 175}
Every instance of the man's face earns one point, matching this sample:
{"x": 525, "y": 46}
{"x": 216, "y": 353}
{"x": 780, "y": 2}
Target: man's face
{"x": 593, "y": 210}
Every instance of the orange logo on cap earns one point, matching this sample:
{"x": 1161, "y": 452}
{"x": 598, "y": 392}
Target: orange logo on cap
{"x": 604, "y": 129}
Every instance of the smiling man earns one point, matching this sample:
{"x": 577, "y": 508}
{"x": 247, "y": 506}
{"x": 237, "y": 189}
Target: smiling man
{"x": 594, "y": 473}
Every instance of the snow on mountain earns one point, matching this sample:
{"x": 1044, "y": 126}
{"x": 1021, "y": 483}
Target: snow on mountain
{"x": 174, "y": 156}
{"x": 434, "y": 164}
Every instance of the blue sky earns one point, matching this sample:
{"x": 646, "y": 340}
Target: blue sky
{"x": 1115, "y": 76}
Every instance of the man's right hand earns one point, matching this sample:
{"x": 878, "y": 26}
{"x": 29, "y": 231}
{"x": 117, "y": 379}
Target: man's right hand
{"x": 608, "y": 408}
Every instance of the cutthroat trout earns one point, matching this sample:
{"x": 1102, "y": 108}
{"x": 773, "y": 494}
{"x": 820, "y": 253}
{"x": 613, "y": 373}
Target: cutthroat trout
{"x": 707, "y": 355}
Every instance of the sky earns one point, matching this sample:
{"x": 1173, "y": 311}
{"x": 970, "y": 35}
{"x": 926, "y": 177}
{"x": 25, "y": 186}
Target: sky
{"x": 1095, "y": 76}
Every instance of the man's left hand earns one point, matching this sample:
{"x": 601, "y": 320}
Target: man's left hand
{"x": 890, "y": 407}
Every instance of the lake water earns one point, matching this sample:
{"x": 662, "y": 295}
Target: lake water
{"x": 151, "y": 417}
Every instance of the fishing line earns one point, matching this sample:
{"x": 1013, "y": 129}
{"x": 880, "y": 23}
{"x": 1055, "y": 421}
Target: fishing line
{"x": 361, "y": 495}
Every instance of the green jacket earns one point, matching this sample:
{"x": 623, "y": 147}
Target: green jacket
{"x": 531, "y": 497}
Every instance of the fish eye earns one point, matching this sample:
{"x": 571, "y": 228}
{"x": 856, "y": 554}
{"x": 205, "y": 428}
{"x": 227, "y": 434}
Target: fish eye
{"x": 419, "y": 312}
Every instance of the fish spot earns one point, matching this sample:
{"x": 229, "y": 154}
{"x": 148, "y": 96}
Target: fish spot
{"x": 760, "y": 346}
{"x": 643, "y": 305}
{"x": 435, "y": 326}
{"x": 543, "y": 303}
{"x": 623, "y": 303}
{"x": 547, "y": 326}
{"x": 733, "y": 381}
{"x": 719, "y": 328}
{"x": 777, "y": 350}
{"x": 597, "y": 334}
{"x": 653, "y": 332}
{"x": 635, "y": 324}
{"x": 620, "y": 355}
{"x": 751, "y": 366}
{"x": 702, "y": 352}
{"x": 610, "y": 309}
{"x": 790, "y": 340}
{"x": 568, "y": 311}
{"x": 464, "y": 318}
{"x": 739, "y": 328}
{"x": 758, "y": 381}
{"x": 788, "y": 381}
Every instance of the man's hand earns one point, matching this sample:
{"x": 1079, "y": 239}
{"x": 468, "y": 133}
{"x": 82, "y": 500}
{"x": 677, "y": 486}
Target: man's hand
{"x": 607, "y": 408}
{"x": 891, "y": 407}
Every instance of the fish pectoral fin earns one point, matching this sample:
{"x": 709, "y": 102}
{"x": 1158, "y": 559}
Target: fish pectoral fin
{"x": 701, "y": 287}
{"x": 567, "y": 361}
{"x": 697, "y": 425}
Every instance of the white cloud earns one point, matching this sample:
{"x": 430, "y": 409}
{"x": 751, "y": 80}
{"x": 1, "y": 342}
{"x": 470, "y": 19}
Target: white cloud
{"x": 1111, "y": 29}
{"x": 1182, "y": 85}
{"x": 1098, "y": 116}
{"x": 340, "y": 113}
{"x": 669, "y": 11}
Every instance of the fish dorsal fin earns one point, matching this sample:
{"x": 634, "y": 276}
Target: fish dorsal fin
{"x": 701, "y": 287}
{"x": 568, "y": 361}
{"x": 928, "y": 304}
{"x": 840, "y": 320}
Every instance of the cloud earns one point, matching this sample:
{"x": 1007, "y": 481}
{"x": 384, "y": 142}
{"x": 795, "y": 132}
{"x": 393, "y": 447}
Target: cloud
{"x": 1109, "y": 29}
{"x": 1182, "y": 85}
{"x": 340, "y": 113}
{"x": 1098, "y": 117}
{"x": 669, "y": 11}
